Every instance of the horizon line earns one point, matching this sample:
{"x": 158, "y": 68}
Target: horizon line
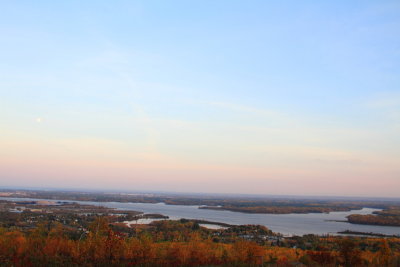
{"x": 168, "y": 192}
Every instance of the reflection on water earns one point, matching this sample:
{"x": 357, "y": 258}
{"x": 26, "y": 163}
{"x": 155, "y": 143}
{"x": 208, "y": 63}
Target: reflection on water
{"x": 212, "y": 226}
{"x": 287, "y": 224}
{"x": 143, "y": 221}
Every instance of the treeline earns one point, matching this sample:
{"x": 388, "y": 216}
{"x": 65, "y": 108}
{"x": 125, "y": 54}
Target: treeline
{"x": 374, "y": 219}
{"x": 49, "y": 245}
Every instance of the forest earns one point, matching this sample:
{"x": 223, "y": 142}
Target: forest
{"x": 389, "y": 217}
{"x": 183, "y": 243}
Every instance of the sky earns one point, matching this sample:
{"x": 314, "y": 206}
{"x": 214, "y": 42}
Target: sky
{"x": 264, "y": 97}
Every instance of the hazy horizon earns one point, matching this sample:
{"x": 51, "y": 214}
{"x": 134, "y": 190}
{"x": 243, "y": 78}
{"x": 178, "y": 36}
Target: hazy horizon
{"x": 193, "y": 193}
{"x": 294, "y": 98}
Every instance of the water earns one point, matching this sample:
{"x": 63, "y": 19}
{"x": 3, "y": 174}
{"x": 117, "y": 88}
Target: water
{"x": 212, "y": 226}
{"x": 287, "y": 224}
{"x": 143, "y": 221}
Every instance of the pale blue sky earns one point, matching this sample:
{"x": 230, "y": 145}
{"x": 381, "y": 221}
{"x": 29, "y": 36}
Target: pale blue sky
{"x": 196, "y": 93}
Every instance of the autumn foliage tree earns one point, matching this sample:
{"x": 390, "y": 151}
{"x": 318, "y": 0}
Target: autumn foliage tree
{"x": 50, "y": 245}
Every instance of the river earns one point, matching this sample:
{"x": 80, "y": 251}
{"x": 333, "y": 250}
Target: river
{"x": 287, "y": 224}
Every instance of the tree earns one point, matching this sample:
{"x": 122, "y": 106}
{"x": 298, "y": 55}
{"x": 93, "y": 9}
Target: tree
{"x": 349, "y": 253}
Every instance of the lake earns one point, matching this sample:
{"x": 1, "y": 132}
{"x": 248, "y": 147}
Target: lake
{"x": 287, "y": 224}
